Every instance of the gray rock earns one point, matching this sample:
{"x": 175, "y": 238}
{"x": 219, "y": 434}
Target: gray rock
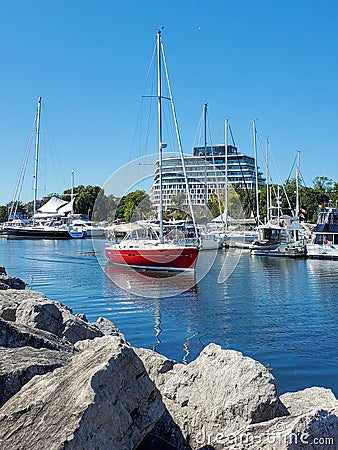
{"x": 19, "y": 365}
{"x": 11, "y": 299}
{"x": 106, "y": 327}
{"x": 220, "y": 390}
{"x": 37, "y": 311}
{"x": 3, "y": 270}
{"x": 76, "y": 329}
{"x": 309, "y": 399}
{"x": 18, "y": 335}
{"x": 102, "y": 400}
{"x": 312, "y": 424}
{"x": 166, "y": 435}
{"x": 7, "y": 282}
{"x": 158, "y": 366}
{"x": 316, "y": 430}
{"x": 7, "y": 308}
{"x": 33, "y": 309}
{"x": 41, "y": 313}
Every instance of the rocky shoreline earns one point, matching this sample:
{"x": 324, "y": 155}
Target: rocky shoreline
{"x": 66, "y": 383}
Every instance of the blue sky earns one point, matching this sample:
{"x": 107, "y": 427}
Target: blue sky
{"x": 268, "y": 60}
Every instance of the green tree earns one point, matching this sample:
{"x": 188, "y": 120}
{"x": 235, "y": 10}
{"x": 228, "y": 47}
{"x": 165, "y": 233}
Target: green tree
{"x": 215, "y": 205}
{"x": 323, "y": 184}
{"x": 178, "y": 208}
{"x": 134, "y": 206}
{"x": 111, "y": 205}
{"x": 85, "y": 197}
{"x": 3, "y": 213}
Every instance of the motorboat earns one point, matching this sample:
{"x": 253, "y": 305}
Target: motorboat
{"x": 324, "y": 244}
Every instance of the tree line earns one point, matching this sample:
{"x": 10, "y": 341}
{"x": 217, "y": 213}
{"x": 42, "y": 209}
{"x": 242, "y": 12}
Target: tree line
{"x": 311, "y": 199}
{"x": 92, "y": 201}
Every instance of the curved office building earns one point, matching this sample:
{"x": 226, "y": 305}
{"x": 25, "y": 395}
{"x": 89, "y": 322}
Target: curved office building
{"x": 206, "y": 174}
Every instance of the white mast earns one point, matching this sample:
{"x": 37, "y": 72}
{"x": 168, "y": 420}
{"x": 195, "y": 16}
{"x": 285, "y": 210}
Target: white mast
{"x": 256, "y": 170}
{"x": 267, "y": 181}
{"x": 160, "y": 143}
{"x": 205, "y": 156}
{"x": 179, "y": 142}
{"x": 297, "y": 184}
{"x": 226, "y": 127}
{"x": 72, "y": 194}
{"x": 36, "y": 159}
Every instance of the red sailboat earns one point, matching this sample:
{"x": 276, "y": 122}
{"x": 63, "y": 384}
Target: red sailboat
{"x": 143, "y": 247}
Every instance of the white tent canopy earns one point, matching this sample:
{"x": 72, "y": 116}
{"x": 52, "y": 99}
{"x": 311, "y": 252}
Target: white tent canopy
{"x": 221, "y": 219}
{"x": 52, "y": 206}
{"x": 68, "y": 207}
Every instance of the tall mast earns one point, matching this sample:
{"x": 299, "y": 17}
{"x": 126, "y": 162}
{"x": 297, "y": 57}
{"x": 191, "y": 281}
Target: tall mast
{"x": 256, "y": 169}
{"x": 226, "y": 127}
{"x": 205, "y": 156}
{"x": 72, "y": 194}
{"x": 160, "y": 143}
{"x": 179, "y": 143}
{"x": 36, "y": 159}
{"x": 267, "y": 181}
{"x": 297, "y": 183}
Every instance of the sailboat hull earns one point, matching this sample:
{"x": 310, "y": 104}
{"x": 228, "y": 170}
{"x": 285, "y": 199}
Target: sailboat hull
{"x": 35, "y": 233}
{"x": 175, "y": 258}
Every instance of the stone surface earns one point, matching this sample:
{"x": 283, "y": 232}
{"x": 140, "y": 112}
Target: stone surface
{"x": 35, "y": 310}
{"x": 317, "y": 430}
{"x": 11, "y": 299}
{"x": 40, "y": 312}
{"x": 18, "y": 335}
{"x": 158, "y": 366}
{"x": 309, "y": 399}
{"x": 19, "y": 365}
{"x": 106, "y": 327}
{"x": 103, "y": 400}
{"x": 220, "y": 390}
{"x": 7, "y": 282}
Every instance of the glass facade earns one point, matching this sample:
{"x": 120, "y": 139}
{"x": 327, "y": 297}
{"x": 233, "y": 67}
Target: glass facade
{"x": 206, "y": 174}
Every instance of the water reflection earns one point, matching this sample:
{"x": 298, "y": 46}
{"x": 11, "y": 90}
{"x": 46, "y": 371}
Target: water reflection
{"x": 152, "y": 284}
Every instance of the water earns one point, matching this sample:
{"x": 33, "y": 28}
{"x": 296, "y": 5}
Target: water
{"x": 281, "y": 312}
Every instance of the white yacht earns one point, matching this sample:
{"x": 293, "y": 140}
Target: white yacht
{"x": 324, "y": 243}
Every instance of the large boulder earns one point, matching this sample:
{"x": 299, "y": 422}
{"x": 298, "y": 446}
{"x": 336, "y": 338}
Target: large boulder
{"x": 316, "y": 430}
{"x": 11, "y": 299}
{"x": 220, "y": 390}
{"x": 35, "y": 310}
{"x": 103, "y": 399}
{"x": 19, "y": 365}
{"x": 7, "y": 282}
{"x": 312, "y": 423}
{"x": 17, "y": 335}
{"x": 309, "y": 399}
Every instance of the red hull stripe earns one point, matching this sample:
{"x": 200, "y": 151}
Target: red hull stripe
{"x": 181, "y": 258}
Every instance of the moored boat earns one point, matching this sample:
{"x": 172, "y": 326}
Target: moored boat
{"x": 143, "y": 247}
{"x": 37, "y": 232}
{"x": 269, "y": 238}
{"x": 324, "y": 243}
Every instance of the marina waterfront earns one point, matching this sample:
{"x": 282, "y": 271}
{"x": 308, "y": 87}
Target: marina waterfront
{"x": 282, "y": 312}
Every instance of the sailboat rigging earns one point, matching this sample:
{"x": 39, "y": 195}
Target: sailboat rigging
{"x": 45, "y": 223}
{"x": 143, "y": 247}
